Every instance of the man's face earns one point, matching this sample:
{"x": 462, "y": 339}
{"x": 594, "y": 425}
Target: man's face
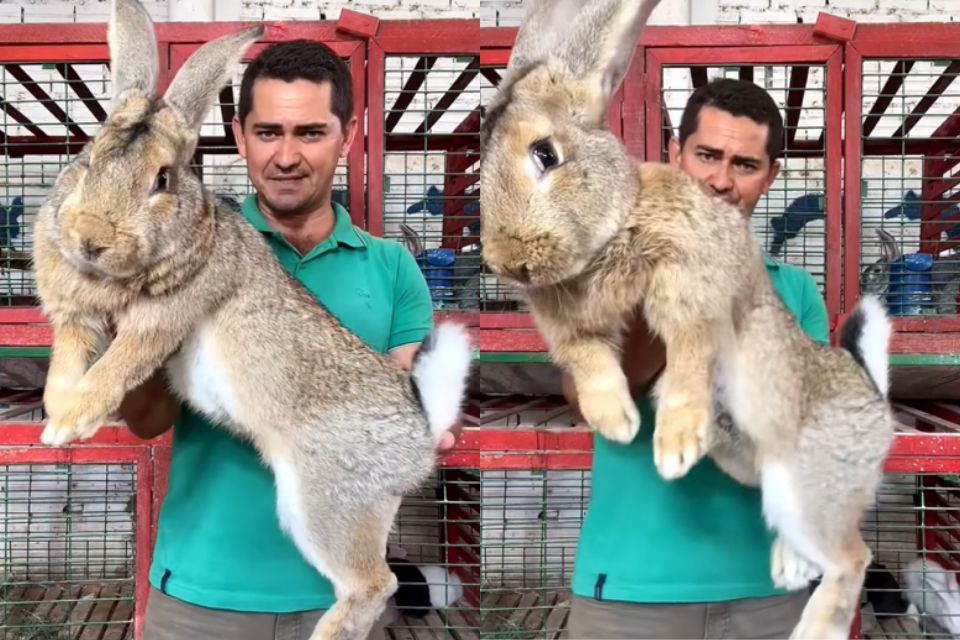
{"x": 728, "y": 155}
{"x": 292, "y": 143}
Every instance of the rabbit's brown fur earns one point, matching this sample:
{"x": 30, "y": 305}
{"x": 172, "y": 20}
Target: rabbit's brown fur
{"x": 589, "y": 236}
{"x": 193, "y": 287}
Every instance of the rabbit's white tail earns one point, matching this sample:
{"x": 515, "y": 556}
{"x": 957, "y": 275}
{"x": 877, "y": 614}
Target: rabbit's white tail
{"x": 866, "y": 335}
{"x": 440, "y": 371}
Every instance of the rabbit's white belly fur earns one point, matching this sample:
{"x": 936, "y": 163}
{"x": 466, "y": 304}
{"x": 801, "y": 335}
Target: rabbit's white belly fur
{"x": 198, "y": 374}
{"x": 782, "y": 511}
{"x": 290, "y": 512}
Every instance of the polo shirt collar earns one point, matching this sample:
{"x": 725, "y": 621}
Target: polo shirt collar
{"x": 772, "y": 264}
{"x": 344, "y": 233}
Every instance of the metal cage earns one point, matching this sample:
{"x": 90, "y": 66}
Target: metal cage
{"x": 424, "y": 151}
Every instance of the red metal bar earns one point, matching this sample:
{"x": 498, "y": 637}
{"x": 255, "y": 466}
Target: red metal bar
{"x": 46, "y": 53}
{"x": 890, "y": 89}
{"x": 656, "y": 36}
{"x": 376, "y": 70}
{"x": 83, "y": 92}
{"x": 853, "y": 87}
{"x": 445, "y": 37}
{"x": 833, "y": 187}
{"x": 911, "y": 41}
{"x": 410, "y": 87}
{"x": 653, "y": 111}
{"x": 810, "y": 54}
{"x": 634, "y": 125}
{"x": 43, "y": 98}
{"x": 355, "y": 157}
{"x": 929, "y": 98}
{"x": 449, "y": 97}
{"x": 798, "y": 87}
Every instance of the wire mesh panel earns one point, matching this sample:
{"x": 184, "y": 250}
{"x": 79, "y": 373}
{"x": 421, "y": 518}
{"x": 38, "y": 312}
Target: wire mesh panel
{"x": 47, "y": 112}
{"x": 535, "y": 481}
{"x": 790, "y": 220}
{"x": 911, "y": 590}
{"x": 431, "y": 184}
{"x": 531, "y": 524}
{"x": 909, "y": 116}
{"x": 495, "y": 295}
{"x": 67, "y": 548}
{"x": 438, "y": 528}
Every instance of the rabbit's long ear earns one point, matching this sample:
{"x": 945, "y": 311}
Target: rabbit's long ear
{"x": 201, "y": 77}
{"x": 888, "y": 246}
{"x": 134, "y": 62}
{"x": 595, "y": 39}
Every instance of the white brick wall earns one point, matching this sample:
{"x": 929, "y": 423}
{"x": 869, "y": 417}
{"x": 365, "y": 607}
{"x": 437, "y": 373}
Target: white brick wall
{"x": 490, "y": 12}
{"x": 509, "y": 12}
{"x": 97, "y": 10}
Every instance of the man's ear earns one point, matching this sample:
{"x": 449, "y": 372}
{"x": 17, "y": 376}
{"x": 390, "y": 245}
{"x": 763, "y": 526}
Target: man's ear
{"x": 238, "y": 136}
{"x": 349, "y": 135}
{"x": 772, "y": 175}
{"x": 673, "y": 151}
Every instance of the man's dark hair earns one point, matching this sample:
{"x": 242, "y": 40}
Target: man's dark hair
{"x": 738, "y": 98}
{"x": 300, "y": 60}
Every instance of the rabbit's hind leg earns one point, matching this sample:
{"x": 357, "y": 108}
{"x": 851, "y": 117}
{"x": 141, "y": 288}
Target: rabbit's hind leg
{"x": 813, "y": 538}
{"x": 354, "y": 558}
{"x": 830, "y": 611}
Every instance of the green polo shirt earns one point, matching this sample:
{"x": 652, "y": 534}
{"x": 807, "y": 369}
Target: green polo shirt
{"x": 701, "y": 538}
{"x": 219, "y": 543}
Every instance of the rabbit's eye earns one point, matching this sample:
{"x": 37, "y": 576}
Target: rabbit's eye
{"x": 544, "y": 155}
{"x": 160, "y": 182}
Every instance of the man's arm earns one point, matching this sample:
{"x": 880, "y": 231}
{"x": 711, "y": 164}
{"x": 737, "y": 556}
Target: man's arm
{"x": 412, "y": 321}
{"x": 814, "y": 319}
{"x": 150, "y": 409}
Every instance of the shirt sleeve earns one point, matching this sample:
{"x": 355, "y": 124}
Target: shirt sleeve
{"x": 412, "y": 306}
{"x": 814, "y": 320}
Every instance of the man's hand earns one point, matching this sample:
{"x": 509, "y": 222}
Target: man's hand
{"x": 404, "y": 357}
{"x": 449, "y": 439}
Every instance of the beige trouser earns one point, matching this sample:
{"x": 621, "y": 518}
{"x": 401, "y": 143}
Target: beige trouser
{"x": 767, "y": 618}
{"x": 171, "y": 619}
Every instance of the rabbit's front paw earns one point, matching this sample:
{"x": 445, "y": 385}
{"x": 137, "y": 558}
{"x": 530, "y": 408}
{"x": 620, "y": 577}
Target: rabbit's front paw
{"x": 679, "y": 439}
{"x": 609, "y": 409}
{"x": 789, "y": 569}
{"x": 76, "y": 417}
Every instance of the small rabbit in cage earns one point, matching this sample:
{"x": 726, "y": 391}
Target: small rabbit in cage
{"x": 588, "y": 235}
{"x": 129, "y": 241}
{"x": 875, "y": 277}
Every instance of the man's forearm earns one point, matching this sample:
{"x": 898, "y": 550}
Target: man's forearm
{"x": 150, "y": 409}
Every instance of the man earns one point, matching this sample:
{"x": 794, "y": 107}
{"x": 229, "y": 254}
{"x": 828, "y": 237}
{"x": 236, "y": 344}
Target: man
{"x": 222, "y": 567}
{"x": 690, "y": 558}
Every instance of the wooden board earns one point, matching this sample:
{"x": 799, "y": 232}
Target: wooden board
{"x": 61, "y": 611}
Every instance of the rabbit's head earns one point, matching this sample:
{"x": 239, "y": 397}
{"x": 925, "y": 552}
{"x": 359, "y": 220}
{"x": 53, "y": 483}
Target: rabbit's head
{"x": 133, "y": 196}
{"x": 875, "y": 278}
{"x": 557, "y": 184}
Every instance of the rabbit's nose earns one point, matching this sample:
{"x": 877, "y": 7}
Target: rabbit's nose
{"x": 91, "y": 250}
{"x": 520, "y": 273}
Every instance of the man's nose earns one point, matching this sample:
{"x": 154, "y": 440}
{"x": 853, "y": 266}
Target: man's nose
{"x": 288, "y": 154}
{"x": 720, "y": 181}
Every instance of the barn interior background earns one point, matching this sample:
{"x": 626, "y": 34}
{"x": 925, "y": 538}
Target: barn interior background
{"x": 505, "y": 509}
